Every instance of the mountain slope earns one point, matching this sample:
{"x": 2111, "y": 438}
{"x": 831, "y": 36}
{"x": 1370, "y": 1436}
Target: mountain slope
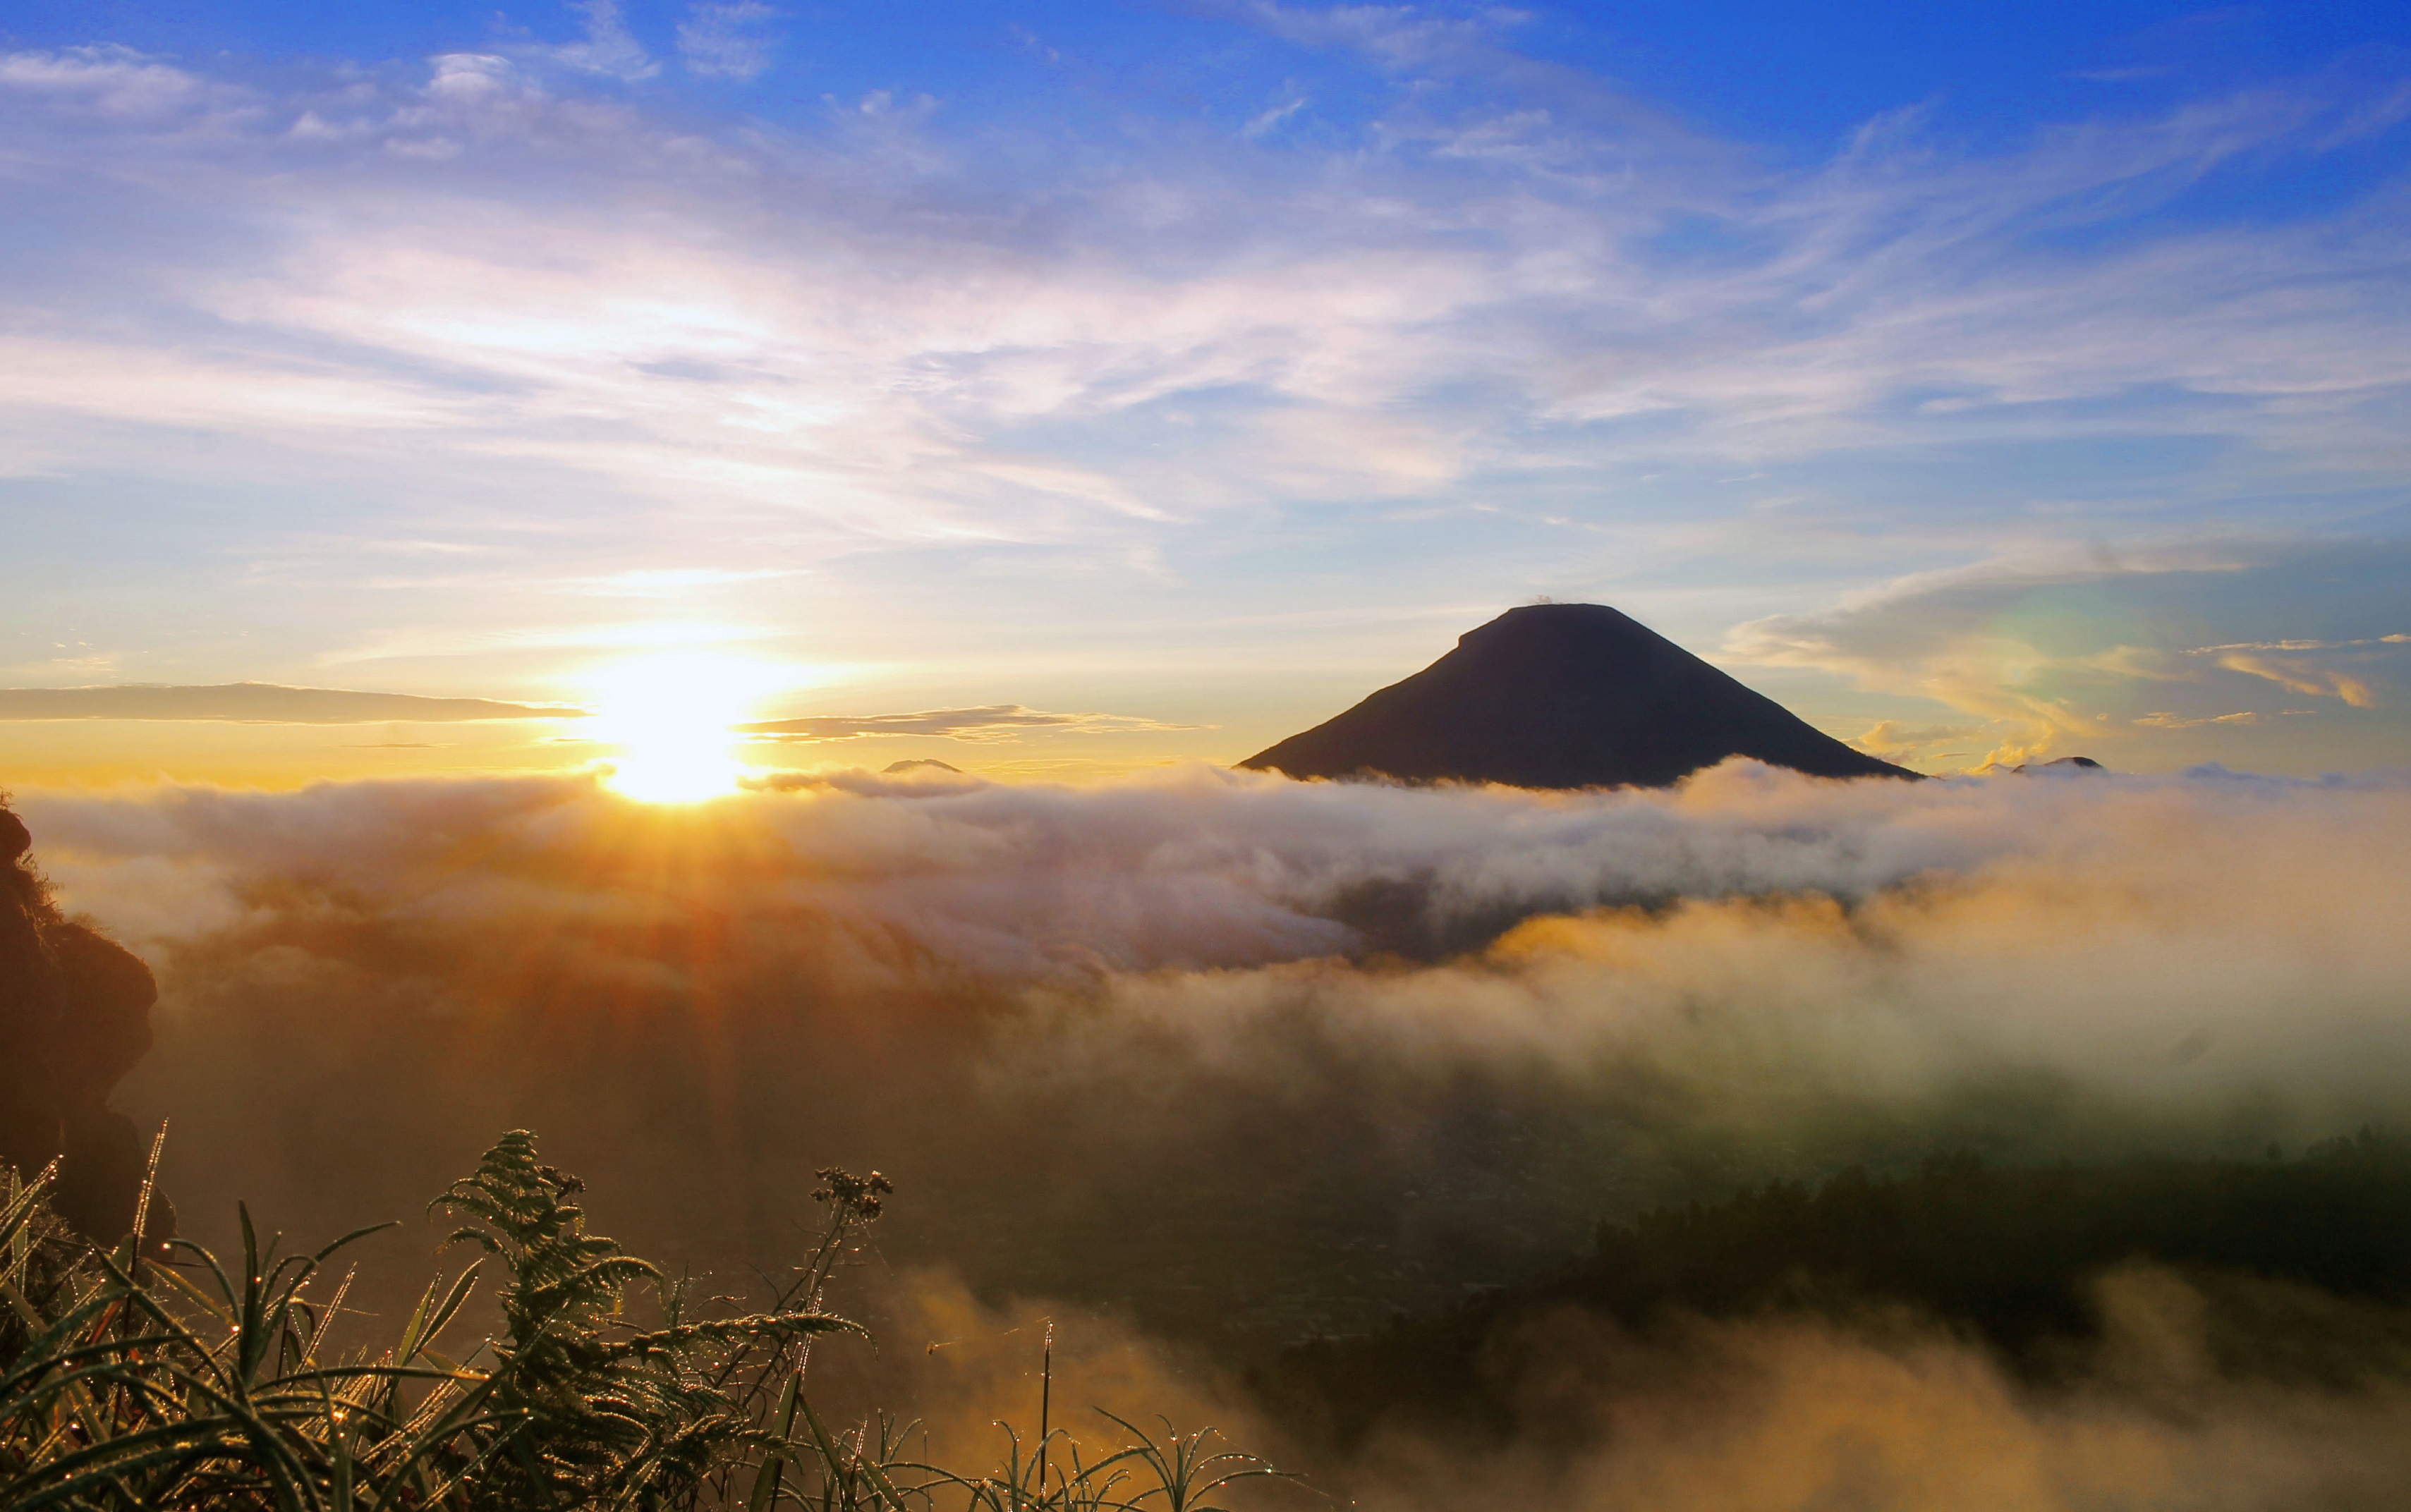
{"x": 1563, "y": 696}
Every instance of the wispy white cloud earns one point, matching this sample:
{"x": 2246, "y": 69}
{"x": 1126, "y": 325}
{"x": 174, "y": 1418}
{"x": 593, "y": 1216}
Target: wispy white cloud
{"x": 2296, "y": 646}
{"x": 668, "y": 582}
{"x": 1902, "y": 743}
{"x": 728, "y": 39}
{"x": 110, "y": 82}
{"x": 2162, "y": 719}
{"x": 1271, "y": 120}
{"x": 1398, "y": 36}
{"x": 607, "y": 48}
{"x": 2297, "y": 675}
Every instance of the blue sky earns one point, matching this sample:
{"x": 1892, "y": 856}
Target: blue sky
{"x": 1983, "y": 382}
{"x": 1796, "y": 77}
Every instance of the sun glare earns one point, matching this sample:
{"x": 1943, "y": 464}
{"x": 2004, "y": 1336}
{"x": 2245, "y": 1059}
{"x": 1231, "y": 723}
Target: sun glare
{"x": 672, "y": 717}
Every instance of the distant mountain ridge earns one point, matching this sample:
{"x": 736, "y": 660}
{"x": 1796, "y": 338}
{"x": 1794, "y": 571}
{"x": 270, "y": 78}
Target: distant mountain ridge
{"x": 1563, "y": 696}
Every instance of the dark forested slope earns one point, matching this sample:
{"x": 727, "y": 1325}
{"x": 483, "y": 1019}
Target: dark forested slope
{"x": 2008, "y": 1256}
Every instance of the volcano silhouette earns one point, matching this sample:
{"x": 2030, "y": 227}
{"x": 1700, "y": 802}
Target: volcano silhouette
{"x": 1563, "y": 696}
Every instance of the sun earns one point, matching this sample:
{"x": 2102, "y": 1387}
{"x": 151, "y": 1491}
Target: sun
{"x": 672, "y": 717}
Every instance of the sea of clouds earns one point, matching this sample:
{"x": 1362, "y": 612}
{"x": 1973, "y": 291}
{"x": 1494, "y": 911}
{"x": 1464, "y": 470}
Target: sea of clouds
{"x": 1235, "y": 1057}
{"x": 1755, "y": 963}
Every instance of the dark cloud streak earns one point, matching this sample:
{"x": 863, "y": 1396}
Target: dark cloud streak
{"x": 990, "y": 721}
{"x": 261, "y": 703}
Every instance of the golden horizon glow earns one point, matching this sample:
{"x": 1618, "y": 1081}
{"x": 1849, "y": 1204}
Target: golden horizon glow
{"x": 673, "y": 717}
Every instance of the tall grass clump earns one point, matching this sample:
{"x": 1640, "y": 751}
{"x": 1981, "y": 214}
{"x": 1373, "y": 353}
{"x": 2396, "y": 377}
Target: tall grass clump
{"x": 149, "y": 1377}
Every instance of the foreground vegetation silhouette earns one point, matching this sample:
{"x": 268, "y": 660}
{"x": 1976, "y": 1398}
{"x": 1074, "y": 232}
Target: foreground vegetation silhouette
{"x": 145, "y": 1376}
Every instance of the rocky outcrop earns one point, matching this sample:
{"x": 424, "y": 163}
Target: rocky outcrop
{"x": 74, "y": 1017}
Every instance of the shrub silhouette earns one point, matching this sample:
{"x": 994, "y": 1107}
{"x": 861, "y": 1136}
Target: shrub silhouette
{"x": 126, "y": 1383}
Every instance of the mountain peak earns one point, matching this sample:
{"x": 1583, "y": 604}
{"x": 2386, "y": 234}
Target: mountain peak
{"x": 1563, "y": 696}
